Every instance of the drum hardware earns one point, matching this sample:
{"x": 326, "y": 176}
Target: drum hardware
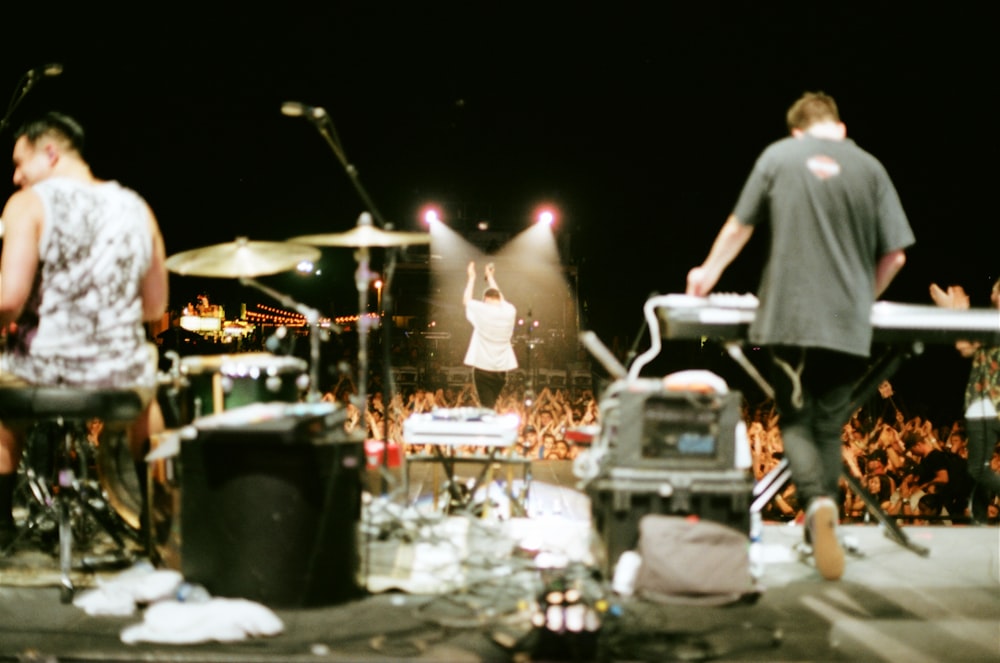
{"x": 363, "y": 237}
{"x": 244, "y": 259}
{"x": 316, "y": 333}
{"x": 69, "y": 483}
{"x": 216, "y": 383}
{"x": 72, "y": 500}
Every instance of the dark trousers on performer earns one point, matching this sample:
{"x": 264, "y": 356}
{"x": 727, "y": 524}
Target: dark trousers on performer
{"x": 813, "y": 394}
{"x": 983, "y": 434}
{"x": 488, "y": 385}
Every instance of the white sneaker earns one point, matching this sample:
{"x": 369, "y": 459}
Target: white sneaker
{"x": 821, "y": 521}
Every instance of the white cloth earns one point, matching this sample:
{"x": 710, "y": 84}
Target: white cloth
{"x": 492, "y": 328}
{"x": 119, "y": 595}
{"x": 218, "y": 619}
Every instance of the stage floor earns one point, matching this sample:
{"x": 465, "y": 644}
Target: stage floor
{"x": 456, "y": 598}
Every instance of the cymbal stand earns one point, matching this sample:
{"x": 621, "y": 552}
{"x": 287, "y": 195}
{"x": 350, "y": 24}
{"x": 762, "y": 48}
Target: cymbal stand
{"x": 529, "y": 392}
{"x": 312, "y": 319}
{"x": 362, "y": 278}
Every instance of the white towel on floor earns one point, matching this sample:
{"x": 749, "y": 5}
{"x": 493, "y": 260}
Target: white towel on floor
{"x": 119, "y": 595}
{"x": 218, "y": 619}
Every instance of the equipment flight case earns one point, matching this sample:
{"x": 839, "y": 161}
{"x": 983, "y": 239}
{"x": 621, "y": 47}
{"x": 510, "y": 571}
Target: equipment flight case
{"x": 670, "y": 452}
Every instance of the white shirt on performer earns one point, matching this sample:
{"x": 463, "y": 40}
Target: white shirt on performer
{"x": 492, "y": 328}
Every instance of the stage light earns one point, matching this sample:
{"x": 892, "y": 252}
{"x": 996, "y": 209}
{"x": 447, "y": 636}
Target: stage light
{"x": 431, "y": 215}
{"x": 546, "y": 214}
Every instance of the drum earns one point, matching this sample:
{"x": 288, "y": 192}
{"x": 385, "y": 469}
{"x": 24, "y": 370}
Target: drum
{"x": 102, "y": 465}
{"x": 222, "y": 382}
{"x": 117, "y": 476}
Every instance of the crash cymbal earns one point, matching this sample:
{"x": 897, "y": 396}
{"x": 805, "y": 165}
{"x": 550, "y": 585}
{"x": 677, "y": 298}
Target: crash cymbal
{"x": 365, "y": 234}
{"x": 242, "y": 258}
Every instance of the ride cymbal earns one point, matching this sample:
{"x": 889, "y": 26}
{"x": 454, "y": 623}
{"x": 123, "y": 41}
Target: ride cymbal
{"x": 365, "y": 235}
{"x": 240, "y": 259}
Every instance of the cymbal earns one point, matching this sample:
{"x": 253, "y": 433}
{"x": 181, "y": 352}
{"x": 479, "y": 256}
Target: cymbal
{"x": 242, "y": 258}
{"x": 365, "y": 235}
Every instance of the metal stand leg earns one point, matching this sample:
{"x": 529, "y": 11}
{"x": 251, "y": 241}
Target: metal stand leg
{"x": 892, "y": 529}
{"x": 73, "y": 504}
{"x": 769, "y": 485}
{"x": 66, "y": 480}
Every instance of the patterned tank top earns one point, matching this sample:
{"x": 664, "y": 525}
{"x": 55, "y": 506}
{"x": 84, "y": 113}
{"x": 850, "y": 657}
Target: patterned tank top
{"x": 82, "y": 325}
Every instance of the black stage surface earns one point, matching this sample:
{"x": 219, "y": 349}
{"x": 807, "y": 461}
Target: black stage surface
{"x": 891, "y": 605}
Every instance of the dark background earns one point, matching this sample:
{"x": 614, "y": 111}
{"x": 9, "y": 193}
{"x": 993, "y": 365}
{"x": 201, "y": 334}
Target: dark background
{"x": 640, "y": 121}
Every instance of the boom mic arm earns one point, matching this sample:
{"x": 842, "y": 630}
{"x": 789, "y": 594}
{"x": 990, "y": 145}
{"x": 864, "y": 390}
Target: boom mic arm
{"x": 324, "y": 124}
{"x": 28, "y": 81}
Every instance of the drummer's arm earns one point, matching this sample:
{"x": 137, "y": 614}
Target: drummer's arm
{"x": 155, "y": 283}
{"x": 22, "y": 216}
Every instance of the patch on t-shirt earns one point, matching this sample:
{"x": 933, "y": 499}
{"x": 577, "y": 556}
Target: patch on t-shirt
{"x": 823, "y": 166}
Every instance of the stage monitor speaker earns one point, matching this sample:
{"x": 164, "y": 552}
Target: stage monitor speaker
{"x": 270, "y": 512}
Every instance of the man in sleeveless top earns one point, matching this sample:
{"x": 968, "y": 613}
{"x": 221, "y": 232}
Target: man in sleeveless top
{"x": 83, "y": 267}
{"x": 838, "y": 236}
{"x": 490, "y": 353}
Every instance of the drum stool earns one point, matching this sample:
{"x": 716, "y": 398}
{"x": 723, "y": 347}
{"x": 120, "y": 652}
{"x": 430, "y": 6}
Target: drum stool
{"x": 63, "y": 412}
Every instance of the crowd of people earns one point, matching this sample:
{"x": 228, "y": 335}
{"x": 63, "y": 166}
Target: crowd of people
{"x": 915, "y": 470}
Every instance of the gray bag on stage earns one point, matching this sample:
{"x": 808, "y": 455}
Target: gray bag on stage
{"x": 694, "y": 562}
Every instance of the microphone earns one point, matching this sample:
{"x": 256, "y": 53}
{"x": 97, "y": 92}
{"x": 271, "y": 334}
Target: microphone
{"x": 298, "y": 109}
{"x": 46, "y": 70}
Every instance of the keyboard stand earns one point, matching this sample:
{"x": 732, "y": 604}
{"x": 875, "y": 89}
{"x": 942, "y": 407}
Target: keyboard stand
{"x": 448, "y": 456}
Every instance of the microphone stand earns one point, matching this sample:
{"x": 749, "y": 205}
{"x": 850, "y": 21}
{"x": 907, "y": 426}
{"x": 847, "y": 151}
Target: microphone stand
{"x": 324, "y": 125}
{"x": 312, "y": 319}
{"x": 388, "y": 381}
{"x": 362, "y": 277}
{"x": 28, "y": 81}
{"x": 529, "y": 393}
{"x": 329, "y": 133}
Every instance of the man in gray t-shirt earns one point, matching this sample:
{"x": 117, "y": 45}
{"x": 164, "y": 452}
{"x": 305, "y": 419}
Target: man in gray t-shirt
{"x": 838, "y": 235}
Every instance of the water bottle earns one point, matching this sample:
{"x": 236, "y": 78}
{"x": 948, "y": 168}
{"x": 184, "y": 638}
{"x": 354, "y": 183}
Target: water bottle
{"x": 189, "y": 592}
{"x": 756, "y": 551}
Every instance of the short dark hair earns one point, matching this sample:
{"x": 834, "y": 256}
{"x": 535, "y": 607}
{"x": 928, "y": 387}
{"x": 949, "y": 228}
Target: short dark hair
{"x": 912, "y": 439}
{"x": 810, "y": 108}
{"x": 492, "y": 293}
{"x": 57, "y": 125}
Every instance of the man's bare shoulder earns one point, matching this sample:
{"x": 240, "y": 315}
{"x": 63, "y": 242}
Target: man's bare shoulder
{"x": 23, "y": 205}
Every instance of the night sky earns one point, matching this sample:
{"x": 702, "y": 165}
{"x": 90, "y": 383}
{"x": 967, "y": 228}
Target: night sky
{"x": 640, "y": 121}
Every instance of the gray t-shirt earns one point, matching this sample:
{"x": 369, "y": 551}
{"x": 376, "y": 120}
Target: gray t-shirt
{"x": 833, "y": 212}
{"x": 82, "y": 324}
